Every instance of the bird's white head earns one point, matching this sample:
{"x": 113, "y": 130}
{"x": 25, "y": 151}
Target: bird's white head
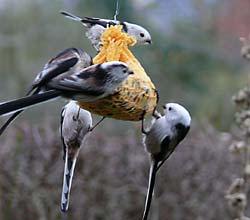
{"x": 118, "y": 69}
{"x": 177, "y": 114}
{"x": 141, "y": 35}
{"x": 117, "y": 72}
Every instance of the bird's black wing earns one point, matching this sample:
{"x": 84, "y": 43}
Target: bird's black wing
{"x": 166, "y": 151}
{"x": 182, "y": 132}
{"x": 97, "y": 21}
{"x": 89, "y": 81}
{"x": 56, "y": 66}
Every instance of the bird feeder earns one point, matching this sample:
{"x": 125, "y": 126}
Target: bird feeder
{"x": 136, "y": 96}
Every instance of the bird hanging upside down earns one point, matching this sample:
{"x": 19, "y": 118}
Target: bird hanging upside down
{"x": 76, "y": 123}
{"x": 165, "y": 133}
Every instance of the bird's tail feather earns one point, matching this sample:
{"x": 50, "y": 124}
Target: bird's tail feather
{"x": 21, "y": 103}
{"x": 73, "y": 17}
{"x": 86, "y": 21}
{"x": 15, "y": 114}
{"x": 151, "y": 183}
{"x": 10, "y": 119}
{"x": 69, "y": 168}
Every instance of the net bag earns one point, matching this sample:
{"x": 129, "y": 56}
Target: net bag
{"x": 135, "y": 96}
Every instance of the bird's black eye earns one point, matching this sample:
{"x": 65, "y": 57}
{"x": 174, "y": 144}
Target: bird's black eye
{"x": 169, "y": 108}
{"x": 124, "y": 70}
{"x": 142, "y": 35}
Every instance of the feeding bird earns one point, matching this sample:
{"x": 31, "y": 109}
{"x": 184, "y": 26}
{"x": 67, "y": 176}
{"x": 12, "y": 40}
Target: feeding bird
{"x": 76, "y": 124}
{"x": 165, "y": 133}
{"x": 96, "y": 26}
{"x": 69, "y": 80}
{"x": 73, "y": 58}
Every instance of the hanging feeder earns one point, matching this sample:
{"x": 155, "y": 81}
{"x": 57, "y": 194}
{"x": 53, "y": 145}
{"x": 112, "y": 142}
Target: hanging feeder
{"x": 137, "y": 95}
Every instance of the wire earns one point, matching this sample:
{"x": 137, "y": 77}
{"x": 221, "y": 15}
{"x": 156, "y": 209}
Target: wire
{"x": 117, "y": 10}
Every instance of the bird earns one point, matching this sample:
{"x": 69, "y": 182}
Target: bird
{"x": 76, "y": 124}
{"x": 73, "y": 58}
{"x": 96, "y": 26}
{"x": 73, "y": 82}
{"x": 162, "y": 138}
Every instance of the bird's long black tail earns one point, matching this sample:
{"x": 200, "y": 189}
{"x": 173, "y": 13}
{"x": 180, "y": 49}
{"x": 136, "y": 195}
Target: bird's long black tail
{"x": 21, "y": 103}
{"x": 86, "y": 21}
{"x": 151, "y": 183}
{"x": 71, "y": 16}
{"x": 69, "y": 168}
{"x": 10, "y": 119}
{"x": 14, "y": 115}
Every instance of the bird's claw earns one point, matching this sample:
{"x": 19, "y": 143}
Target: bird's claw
{"x": 93, "y": 127}
{"x": 156, "y": 114}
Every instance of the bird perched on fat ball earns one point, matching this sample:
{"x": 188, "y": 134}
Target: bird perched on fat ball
{"x": 96, "y": 27}
{"x": 82, "y": 84}
{"x": 76, "y": 124}
{"x": 165, "y": 133}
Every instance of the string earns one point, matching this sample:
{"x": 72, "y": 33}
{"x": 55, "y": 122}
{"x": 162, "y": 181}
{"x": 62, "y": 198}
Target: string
{"x": 117, "y": 10}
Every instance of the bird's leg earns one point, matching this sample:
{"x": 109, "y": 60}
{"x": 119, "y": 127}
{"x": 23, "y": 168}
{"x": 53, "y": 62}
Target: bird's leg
{"x": 142, "y": 123}
{"x": 156, "y": 114}
{"x": 93, "y": 127}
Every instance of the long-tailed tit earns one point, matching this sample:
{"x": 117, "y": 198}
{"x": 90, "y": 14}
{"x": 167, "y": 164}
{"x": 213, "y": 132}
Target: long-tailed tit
{"x": 73, "y": 58}
{"x": 96, "y": 26}
{"x": 160, "y": 141}
{"x": 81, "y": 84}
{"x": 76, "y": 124}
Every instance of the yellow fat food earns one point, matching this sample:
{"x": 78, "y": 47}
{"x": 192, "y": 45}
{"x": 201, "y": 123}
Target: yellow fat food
{"x": 134, "y": 96}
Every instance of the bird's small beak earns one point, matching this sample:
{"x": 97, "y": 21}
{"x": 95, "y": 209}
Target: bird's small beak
{"x": 164, "y": 107}
{"x": 149, "y": 41}
{"x": 131, "y": 73}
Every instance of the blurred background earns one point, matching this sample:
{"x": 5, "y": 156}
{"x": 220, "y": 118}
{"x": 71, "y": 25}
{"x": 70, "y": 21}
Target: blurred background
{"x": 194, "y": 60}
